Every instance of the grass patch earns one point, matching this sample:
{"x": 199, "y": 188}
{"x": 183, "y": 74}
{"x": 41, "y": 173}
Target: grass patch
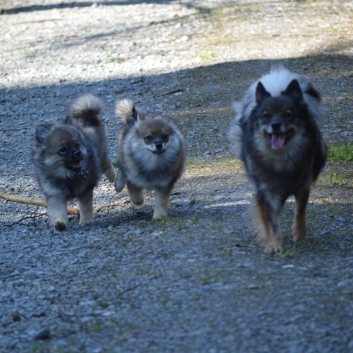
{"x": 204, "y": 168}
{"x": 340, "y": 169}
{"x": 208, "y": 55}
{"x": 119, "y": 60}
{"x": 336, "y": 177}
{"x": 340, "y": 153}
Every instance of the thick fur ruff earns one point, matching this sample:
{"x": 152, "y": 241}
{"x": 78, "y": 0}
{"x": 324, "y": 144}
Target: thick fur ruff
{"x": 275, "y": 134}
{"x": 151, "y": 155}
{"x": 69, "y": 157}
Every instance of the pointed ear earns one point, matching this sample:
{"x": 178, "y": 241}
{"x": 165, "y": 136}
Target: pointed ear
{"x": 68, "y": 120}
{"x": 293, "y": 90}
{"x": 42, "y": 133}
{"x": 135, "y": 113}
{"x": 138, "y": 120}
{"x": 261, "y": 93}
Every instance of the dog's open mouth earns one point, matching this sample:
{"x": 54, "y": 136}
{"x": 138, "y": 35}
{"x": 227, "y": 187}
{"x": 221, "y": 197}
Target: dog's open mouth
{"x": 75, "y": 165}
{"x": 278, "y": 141}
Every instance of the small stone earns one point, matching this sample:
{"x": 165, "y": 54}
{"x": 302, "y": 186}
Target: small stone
{"x": 39, "y": 314}
{"x": 43, "y": 335}
{"x": 16, "y": 317}
{"x": 18, "y": 283}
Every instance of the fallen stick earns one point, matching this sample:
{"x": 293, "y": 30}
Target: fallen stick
{"x": 33, "y": 201}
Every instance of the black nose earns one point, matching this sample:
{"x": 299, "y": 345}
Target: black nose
{"x": 78, "y": 154}
{"x": 276, "y": 126}
{"x": 158, "y": 145}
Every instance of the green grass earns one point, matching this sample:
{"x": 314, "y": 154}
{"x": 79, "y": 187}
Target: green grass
{"x": 335, "y": 177}
{"x": 208, "y": 55}
{"x": 340, "y": 153}
{"x": 339, "y": 158}
{"x": 113, "y": 60}
{"x": 203, "y": 167}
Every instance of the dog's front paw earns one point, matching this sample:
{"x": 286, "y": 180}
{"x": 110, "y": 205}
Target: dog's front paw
{"x": 86, "y": 221}
{"x": 157, "y": 214}
{"x": 60, "y": 226}
{"x": 273, "y": 246}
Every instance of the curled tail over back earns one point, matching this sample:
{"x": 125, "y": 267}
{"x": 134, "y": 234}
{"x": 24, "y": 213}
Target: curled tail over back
{"x": 126, "y": 110}
{"x": 86, "y": 110}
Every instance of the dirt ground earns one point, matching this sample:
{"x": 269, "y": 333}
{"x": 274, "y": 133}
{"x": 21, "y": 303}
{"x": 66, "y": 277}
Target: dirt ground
{"x": 196, "y": 281}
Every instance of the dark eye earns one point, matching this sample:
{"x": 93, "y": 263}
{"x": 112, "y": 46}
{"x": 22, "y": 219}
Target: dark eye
{"x": 77, "y": 145}
{"x": 63, "y": 150}
{"x": 164, "y": 136}
{"x": 148, "y": 138}
{"x": 288, "y": 114}
{"x": 266, "y": 115}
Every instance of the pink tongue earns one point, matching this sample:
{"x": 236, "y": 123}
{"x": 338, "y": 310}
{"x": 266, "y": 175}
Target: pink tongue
{"x": 277, "y": 141}
{"x": 76, "y": 164}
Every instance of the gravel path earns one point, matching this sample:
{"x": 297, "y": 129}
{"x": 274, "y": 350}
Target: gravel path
{"x": 198, "y": 281}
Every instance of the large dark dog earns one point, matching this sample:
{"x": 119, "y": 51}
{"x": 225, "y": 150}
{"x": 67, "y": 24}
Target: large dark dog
{"x": 275, "y": 134}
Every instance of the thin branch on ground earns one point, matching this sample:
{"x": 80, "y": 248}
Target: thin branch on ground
{"x": 33, "y": 201}
{"x": 26, "y": 217}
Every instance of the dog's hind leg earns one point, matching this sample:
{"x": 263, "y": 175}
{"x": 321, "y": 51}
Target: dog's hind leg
{"x": 108, "y": 168}
{"x": 85, "y": 204}
{"x": 119, "y": 181}
{"x": 57, "y": 213}
{"x": 109, "y": 173}
{"x": 135, "y": 194}
{"x": 266, "y": 219}
{"x": 161, "y": 201}
{"x": 299, "y": 224}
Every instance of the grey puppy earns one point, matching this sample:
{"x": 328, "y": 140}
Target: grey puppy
{"x": 151, "y": 155}
{"x": 69, "y": 157}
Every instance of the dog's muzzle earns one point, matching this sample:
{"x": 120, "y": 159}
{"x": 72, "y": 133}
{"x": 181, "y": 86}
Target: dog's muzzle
{"x": 278, "y": 135}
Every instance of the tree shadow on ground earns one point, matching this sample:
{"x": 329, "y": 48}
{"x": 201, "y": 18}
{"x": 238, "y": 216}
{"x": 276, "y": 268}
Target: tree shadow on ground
{"x": 81, "y": 4}
{"x": 198, "y": 98}
{"x": 74, "y": 4}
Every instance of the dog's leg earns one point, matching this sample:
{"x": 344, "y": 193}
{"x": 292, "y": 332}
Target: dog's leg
{"x": 161, "y": 201}
{"x": 119, "y": 181}
{"x": 266, "y": 218}
{"x": 135, "y": 194}
{"x": 108, "y": 168}
{"x": 299, "y": 224}
{"x": 85, "y": 204}
{"x": 57, "y": 213}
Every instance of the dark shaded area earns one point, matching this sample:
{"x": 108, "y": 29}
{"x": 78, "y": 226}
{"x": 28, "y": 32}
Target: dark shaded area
{"x": 70, "y": 5}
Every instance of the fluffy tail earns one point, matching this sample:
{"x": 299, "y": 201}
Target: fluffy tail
{"x": 126, "y": 110}
{"x": 86, "y": 110}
